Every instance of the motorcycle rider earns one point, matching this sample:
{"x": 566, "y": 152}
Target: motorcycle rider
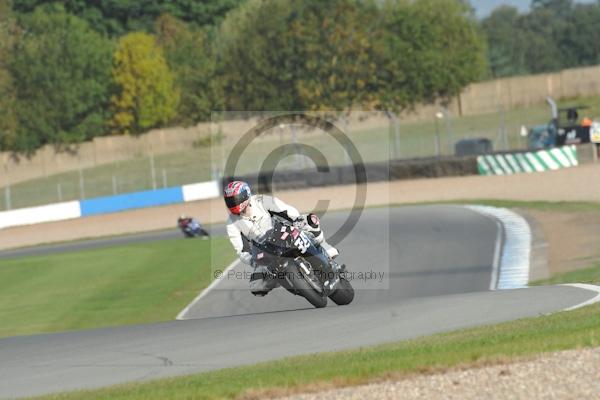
{"x": 190, "y": 225}
{"x": 250, "y": 217}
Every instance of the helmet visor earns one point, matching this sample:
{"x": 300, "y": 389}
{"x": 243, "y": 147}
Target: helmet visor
{"x": 236, "y": 200}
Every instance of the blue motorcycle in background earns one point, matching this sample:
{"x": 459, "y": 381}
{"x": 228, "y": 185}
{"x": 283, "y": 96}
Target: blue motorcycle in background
{"x": 191, "y": 227}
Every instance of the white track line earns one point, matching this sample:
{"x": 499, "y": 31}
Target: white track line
{"x": 592, "y": 288}
{"x": 203, "y": 293}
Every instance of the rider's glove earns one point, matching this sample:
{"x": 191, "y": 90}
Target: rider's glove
{"x": 313, "y": 221}
{"x": 308, "y": 222}
{"x": 300, "y": 223}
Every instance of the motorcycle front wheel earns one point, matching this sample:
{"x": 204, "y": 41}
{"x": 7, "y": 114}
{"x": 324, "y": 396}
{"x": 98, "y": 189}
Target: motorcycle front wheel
{"x": 304, "y": 285}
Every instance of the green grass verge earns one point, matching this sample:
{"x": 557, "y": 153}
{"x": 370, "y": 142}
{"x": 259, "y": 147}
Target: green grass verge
{"x": 587, "y": 275}
{"x": 127, "y": 284}
{"x": 477, "y": 346}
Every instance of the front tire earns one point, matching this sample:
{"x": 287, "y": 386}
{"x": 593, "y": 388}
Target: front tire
{"x": 344, "y": 294}
{"x": 305, "y": 289}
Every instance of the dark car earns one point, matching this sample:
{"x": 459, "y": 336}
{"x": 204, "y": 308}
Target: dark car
{"x": 473, "y": 147}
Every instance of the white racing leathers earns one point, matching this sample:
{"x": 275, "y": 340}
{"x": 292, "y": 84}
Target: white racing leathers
{"x": 256, "y": 222}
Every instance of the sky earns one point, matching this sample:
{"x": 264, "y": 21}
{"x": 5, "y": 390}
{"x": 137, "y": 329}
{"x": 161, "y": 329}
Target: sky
{"x": 483, "y": 8}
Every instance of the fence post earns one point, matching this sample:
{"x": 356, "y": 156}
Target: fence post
{"x": 152, "y": 171}
{"x": 299, "y": 158}
{"x": 59, "y": 192}
{"x": 438, "y": 147}
{"x": 345, "y": 126}
{"x": 6, "y": 179}
{"x": 395, "y": 125}
{"x": 503, "y": 129}
{"x": 215, "y": 173}
{"x": 7, "y": 197}
{"x": 397, "y": 136}
{"x": 81, "y": 184}
{"x": 114, "y": 182}
{"x": 449, "y": 136}
{"x": 164, "y": 174}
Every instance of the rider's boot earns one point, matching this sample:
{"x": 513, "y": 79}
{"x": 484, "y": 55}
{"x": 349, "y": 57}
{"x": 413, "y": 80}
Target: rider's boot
{"x": 331, "y": 251}
{"x": 341, "y": 268}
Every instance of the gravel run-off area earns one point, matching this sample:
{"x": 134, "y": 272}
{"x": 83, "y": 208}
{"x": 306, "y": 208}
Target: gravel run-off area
{"x": 573, "y": 374}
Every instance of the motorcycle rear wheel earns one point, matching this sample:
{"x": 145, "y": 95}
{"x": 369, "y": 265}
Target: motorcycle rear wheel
{"x": 344, "y": 294}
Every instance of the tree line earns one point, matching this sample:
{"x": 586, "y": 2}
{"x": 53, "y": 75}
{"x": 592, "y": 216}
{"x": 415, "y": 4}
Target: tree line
{"x": 553, "y": 35}
{"x": 76, "y": 69}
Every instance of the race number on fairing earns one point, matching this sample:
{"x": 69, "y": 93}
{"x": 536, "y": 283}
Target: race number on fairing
{"x": 302, "y": 243}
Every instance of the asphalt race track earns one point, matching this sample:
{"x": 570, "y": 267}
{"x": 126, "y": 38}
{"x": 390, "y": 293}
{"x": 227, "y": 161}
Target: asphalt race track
{"x": 436, "y": 263}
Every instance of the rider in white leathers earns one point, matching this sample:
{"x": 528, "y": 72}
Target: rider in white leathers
{"x": 251, "y": 216}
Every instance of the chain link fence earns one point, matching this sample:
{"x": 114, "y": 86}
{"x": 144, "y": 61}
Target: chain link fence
{"x": 378, "y": 137}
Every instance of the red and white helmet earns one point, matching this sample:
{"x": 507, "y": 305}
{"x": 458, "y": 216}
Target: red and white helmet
{"x": 237, "y": 196}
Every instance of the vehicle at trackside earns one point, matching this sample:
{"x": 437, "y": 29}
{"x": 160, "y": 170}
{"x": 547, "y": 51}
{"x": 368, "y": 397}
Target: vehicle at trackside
{"x": 564, "y": 128}
{"x": 292, "y": 258}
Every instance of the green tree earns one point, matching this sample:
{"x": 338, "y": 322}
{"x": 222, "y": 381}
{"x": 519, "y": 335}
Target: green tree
{"x": 429, "y": 50}
{"x": 507, "y": 49}
{"x": 543, "y": 27}
{"x": 258, "y": 60}
{"x": 300, "y": 55}
{"x": 8, "y": 119}
{"x": 61, "y": 74}
{"x": 337, "y": 55}
{"x": 581, "y": 42}
{"x": 117, "y": 17}
{"x": 190, "y": 55}
{"x": 554, "y": 35}
{"x": 287, "y": 55}
{"x": 146, "y": 96}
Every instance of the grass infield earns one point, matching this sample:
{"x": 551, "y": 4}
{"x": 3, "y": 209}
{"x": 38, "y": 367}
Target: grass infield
{"x": 128, "y": 284}
{"x": 589, "y": 275}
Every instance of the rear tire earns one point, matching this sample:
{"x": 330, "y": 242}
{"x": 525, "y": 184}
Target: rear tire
{"x": 344, "y": 294}
{"x": 305, "y": 289}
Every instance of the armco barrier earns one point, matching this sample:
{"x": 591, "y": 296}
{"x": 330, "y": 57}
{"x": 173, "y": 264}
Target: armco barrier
{"x": 109, "y": 204}
{"x": 341, "y": 175}
{"x": 375, "y": 172}
{"x": 201, "y": 191}
{"x": 537, "y": 161}
{"x": 34, "y": 215}
{"x": 121, "y": 202}
{"x": 494, "y": 164}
